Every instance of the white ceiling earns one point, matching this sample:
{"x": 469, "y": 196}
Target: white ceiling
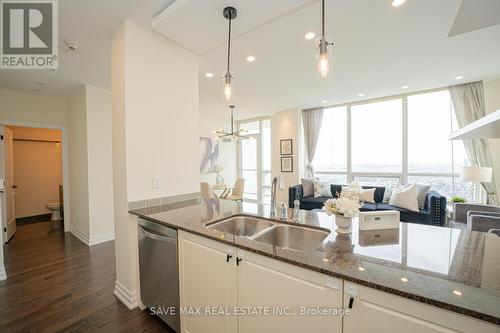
{"x": 378, "y": 48}
{"x": 90, "y": 23}
{"x": 199, "y": 25}
{"x": 474, "y": 15}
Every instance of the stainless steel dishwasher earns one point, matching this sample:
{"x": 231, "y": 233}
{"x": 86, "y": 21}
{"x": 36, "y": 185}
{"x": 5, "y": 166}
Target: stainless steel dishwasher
{"x": 158, "y": 269}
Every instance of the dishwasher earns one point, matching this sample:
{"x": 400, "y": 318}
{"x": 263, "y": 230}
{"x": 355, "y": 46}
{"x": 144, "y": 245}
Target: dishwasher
{"x": 158, "y": 271}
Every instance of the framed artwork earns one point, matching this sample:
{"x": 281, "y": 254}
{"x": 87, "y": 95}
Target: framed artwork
{"x": 286, "y": 164}
{"x": 286, "y": 147}
{"x": 209, "y": 155}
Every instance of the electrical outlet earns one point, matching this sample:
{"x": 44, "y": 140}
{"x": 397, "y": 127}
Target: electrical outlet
{"x": 156, "y": 183}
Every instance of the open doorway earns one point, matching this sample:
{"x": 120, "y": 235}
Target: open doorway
{"x": 32, "y": 171}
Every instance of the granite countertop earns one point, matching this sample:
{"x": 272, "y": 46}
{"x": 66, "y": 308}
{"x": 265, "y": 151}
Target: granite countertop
{"x": 452, "y": 269}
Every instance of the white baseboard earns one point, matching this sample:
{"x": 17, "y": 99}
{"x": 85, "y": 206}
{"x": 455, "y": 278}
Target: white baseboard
{"x": 80, "y": 235}
{"x": 93, "y": 239}
{"x": 126, "y": 296}
{"x": 102, "y": 238}
{"x": 3, "y": 273}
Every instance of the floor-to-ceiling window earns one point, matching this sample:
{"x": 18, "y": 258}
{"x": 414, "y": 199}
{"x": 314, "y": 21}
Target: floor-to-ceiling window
{"x": 402, "y": 139}
{"x": 254, "y": 160}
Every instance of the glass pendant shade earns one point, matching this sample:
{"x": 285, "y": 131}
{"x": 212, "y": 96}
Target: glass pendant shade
{"x": 228, "y": 87}
{"x": 324, "y": 58}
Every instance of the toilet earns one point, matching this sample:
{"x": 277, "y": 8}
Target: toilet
{"x": 55, "y": 208}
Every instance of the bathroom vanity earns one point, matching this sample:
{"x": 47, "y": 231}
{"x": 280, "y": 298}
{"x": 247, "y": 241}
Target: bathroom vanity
{"x": 297, "y": 277}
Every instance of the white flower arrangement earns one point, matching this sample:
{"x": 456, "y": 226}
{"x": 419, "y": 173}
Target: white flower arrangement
{"x": 219, "y": 168}
{"x": 345, "y": 205}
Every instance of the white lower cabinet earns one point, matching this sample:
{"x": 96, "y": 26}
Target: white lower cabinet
{"x": 295, "y": 297}
{"x": 279, "y": 297}
{"x": 271, "y": 293}
{"x": 374, "y": 311}
{"x": 206, "y": 279}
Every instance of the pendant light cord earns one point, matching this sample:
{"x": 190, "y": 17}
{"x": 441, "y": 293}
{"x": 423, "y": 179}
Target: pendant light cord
{"x": 229, "y": 46}
{"x": 322, "y": 18}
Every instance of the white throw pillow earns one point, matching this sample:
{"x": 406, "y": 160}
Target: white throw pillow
{"x": 307, "y": 186}
{"x": 322, "y": 189}
{"x": 366, "y": 195}
{"x": 405, "y": 197}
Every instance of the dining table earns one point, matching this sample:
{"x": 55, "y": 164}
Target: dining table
{"x": 222, "y": 190}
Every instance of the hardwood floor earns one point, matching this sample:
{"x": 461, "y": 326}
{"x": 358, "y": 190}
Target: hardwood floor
{"x": 55, "y": 283}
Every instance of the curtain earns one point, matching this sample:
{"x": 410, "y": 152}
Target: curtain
{"x": 311, "y": 120}
{"x": 468, "y": 101}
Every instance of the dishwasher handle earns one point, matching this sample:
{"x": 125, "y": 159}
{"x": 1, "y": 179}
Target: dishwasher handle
{"x": 153, "y": 235}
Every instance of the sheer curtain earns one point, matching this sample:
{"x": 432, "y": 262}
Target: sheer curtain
{"x": 311, "y": 120}
{"x": 468, "y": 101}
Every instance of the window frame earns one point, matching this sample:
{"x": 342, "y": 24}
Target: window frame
{"x": 261, "y": 172}
{"x": 404, "y": 175}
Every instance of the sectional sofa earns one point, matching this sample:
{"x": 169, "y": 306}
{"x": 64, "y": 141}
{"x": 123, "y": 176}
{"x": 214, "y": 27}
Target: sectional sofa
{"x": 433, "y": 213}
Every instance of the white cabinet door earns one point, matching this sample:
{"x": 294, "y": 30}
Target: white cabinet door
{"x": 374, "y": 311}
{"x": 206, "y": 279}
{"x": 265, "y": 282}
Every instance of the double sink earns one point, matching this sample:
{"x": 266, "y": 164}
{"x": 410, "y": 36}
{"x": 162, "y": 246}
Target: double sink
{"x": 292, "y": 237}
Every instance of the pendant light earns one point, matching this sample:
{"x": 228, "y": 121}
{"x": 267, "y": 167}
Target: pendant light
{"x": 230, "y": 14}
{"x": 325, "y": 53}
{"x": 236, "y": 135}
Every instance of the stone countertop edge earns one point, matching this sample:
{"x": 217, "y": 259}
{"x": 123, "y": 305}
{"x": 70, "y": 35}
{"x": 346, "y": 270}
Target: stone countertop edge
{"x": 443, "y": 305}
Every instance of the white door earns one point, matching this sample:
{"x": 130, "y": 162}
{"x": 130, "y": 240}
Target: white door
{"x": 7, "y": 174}
{"x": 207, "y": 279}
{"x": 291, "y": 294}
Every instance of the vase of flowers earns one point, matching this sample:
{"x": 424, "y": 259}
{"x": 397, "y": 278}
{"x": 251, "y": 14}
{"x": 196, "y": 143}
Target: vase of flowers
{"x": 345, "y": 207}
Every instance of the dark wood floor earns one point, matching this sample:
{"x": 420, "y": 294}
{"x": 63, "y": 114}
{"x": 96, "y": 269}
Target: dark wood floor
{"x": 56, "y": 283}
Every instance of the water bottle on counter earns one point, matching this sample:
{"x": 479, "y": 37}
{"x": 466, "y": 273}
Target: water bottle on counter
{"x": 296, "y": 210}
{"x": 283, "y": 212}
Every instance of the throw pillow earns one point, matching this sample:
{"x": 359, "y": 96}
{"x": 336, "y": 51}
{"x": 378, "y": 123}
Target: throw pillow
{"x": 387, "y": 194}
{"x": 405, "y": 197}
{"x": 322, "y": 189}
{"x": 307, "y": 187}
{"x": 366, "y": 195}
{"x": 422, "y": 191}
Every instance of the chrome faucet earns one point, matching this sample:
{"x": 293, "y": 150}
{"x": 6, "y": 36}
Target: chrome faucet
{"x": 277, "y": 182}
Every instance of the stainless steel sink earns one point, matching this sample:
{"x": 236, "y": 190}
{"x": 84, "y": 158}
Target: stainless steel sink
{"x": 245, "y": 226}
{"x": 293, "y": 237}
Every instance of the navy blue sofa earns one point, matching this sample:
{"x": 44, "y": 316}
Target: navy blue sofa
{"x": 434, "y": 212}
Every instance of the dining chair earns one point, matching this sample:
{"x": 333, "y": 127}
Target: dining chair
{"x": 206, "y": 190}
{"x": 237, "y": 193}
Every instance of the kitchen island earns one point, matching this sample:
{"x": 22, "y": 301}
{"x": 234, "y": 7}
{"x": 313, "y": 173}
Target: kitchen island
{"x": 424, "y": 278}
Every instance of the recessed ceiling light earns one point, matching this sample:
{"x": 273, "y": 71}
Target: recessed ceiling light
{"x": 310, "y": 35}
{"x": 209, "y": 75}
{"x": 361, "y": 95}
{"x": 404, "y": 87}
{"x": 324, "y": 101}
{"x": 397, "y": 3}
{"x": 459, "y": 77}
{"x": 457, "y": 292}
{"x": 404, "y": 279}
{"x": 361, "y": 269}
{"x": 250, "y": 58}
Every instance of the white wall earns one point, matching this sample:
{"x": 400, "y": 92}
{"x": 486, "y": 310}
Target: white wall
{"x": 286, "y": 125}
{"x": 211, "y": 120}
{"x": 155, "y": 133}
{"x": 100, "y": 164}
{"x": 37, "y": 169}
{"x": 20, "y": 106}
{"x": 492, "y": 103}
{"x": 91, "y": 165}
{"x": 77, "y": 128}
